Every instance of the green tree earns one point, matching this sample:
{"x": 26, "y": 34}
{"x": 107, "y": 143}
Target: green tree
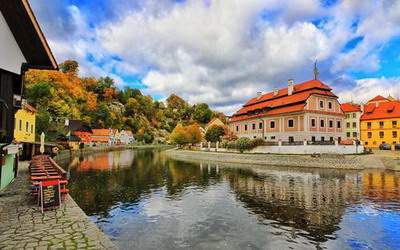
{"x": 214, "y": 133}
{"x": 202, "y": 113}
{"x": 69, "y": 66}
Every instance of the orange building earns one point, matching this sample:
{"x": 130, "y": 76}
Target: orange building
{"x": 380, "y": 122}
{"x": 101, "y": 136}
{"x": 306, "y": 111}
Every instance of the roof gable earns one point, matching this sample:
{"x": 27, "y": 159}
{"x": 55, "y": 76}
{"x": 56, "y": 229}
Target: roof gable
{"x": 27, "y": 33}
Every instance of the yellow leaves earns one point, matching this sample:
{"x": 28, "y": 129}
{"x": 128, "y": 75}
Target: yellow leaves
{"x": 91, "y": 101}
{"x": 109, "y": 94}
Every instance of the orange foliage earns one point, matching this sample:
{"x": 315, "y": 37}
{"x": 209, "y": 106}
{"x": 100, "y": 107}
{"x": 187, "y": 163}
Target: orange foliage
{"x": 109, "y": 93}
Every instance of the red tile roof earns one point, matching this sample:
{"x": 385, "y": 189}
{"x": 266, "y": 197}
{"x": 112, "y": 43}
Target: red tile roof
{"x": 282, "y": 102}
{"x": 101, "y": 132}
{"x": 378, "y": 98}
{"x": 384, "y": 110}
{"x": 350, "y": 107}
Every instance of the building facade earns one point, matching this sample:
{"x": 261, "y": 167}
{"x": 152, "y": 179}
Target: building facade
{"x": 380, "y": 122}
{"x": 24, "y": 130}
{"x": 353, "y": 114}
{"x": 126, "y": 137}
{"x": 22, "y": 46}
{"x": 101, "y": 136}
{"x": 306, "y": 111}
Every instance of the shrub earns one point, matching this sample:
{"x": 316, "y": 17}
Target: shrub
{"x": 243, "y": 144}
{"x": 214, "y": 133}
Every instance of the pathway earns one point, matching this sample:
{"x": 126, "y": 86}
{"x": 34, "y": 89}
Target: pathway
{"x": 23, "y": 226}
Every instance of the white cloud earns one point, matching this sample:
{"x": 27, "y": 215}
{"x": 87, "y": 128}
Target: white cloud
{"x": 223, "y": 52}
{"x": 368, "y": 88}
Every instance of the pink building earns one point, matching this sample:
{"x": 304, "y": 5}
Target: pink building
{"x": 306, "y": 111}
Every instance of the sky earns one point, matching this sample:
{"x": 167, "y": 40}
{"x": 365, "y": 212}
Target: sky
{"x": 223, "y": 52}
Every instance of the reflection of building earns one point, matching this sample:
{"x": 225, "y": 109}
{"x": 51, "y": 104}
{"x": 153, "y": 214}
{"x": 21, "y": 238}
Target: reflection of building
{"x": 352, "y": 123}
{"x": 305, "y": 111}
{"x": 380, "y": 122}
{"x": 308, "y": 201}
{"x": 22, "y": 46}
{"x": 381, "y": 186}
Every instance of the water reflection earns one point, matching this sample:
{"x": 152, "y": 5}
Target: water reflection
{"x": 143, "y": 199}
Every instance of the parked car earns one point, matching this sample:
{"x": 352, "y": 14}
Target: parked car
{"x": 385, "y": 146}
{"x": 397, "y": 146}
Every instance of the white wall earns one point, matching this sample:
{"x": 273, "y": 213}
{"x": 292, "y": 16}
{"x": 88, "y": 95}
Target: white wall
{"x": 309, "y": 149}
{"x": 11, "y": 56}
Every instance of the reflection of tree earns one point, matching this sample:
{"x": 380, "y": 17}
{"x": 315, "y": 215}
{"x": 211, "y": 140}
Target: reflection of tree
{"x": 304, "y": 201}
{"x": 96, "y": 189}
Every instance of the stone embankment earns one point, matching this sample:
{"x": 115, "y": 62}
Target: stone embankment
{"x": 355, "y": 162}
{"x": 23, "y": 226}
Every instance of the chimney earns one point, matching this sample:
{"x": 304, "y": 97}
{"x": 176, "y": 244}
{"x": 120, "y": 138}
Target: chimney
{"x": 290, "y": 86}
{"x": 259, "y": 93}
{"x": 276, "y": 91}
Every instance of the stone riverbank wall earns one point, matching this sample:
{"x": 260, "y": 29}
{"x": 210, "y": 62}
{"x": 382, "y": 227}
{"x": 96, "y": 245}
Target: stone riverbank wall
{"x": 306, "y": 161}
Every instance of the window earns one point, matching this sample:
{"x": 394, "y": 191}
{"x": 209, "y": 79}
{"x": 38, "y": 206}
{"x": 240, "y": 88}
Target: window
{"x": 20, "y": 125}
{"x": 313, "y": 123}
{"x": 347, "y": 115}
{"x": 339, "y": 139}
{"x": 272, "y": 124}
{"x": 348, "y": 125}
{"x": 27, "y": 127}
{"x": 260, "y": 125}
{"x": 313, "y": 138}
{"x": 354, "y": 124}
{"x": 32, "y": 128}
{"x": 348, "y": 134}
{"x": 366, "y": 143}
{"x": 265, "y": 137}
{"x": 321, "y": 104}
{"x": 272, "y": 137}
{"x": 291, "y": 139}
{"x": 322, "y": 123}
{"x": 394, "y": 124}
{"x": 339, "y": 124}
{"x": 245, "y": 127}
{"x": 254, "y": 137}
{"x": 254, "y": 126}
{"x": 381, "y": 124}
{"x": 369, "y": 134}
{"x": 354, "y": 134}
{"x": 369, "y": 125}
{"x": 381, "y": 134}
{"x": 354, "y": 115}
{"x": 331, "y": 138}
{"x": 237, "y": 128}
{"x": 322, "y": 138}
{"x": 330, "y": 123}
{"x": 330, "y": 105}
{"x": 394, "y": 134}
{"x": 291, "y": 123}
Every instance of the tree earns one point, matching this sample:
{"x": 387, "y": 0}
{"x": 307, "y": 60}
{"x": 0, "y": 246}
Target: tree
{"x": 69, "y": 66}
{"x": 214, "y": 133}
{"x": 202, "y": 113}
{"x": 175, "y": 102}
{"x": 194, "y": 134}
{"x": 179, "y": 135}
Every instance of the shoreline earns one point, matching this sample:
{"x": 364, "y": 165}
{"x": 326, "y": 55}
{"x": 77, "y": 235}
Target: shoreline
{"x": 348, "y": 162}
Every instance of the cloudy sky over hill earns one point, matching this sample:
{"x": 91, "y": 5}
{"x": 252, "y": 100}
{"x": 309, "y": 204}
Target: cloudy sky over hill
{"x": 223, "y": 52}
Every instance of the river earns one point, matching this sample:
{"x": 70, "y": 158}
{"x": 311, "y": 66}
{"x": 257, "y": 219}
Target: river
{"x": 143, "y": 200}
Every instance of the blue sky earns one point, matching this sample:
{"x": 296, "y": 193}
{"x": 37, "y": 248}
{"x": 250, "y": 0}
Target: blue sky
{"x": 223, "y": 52}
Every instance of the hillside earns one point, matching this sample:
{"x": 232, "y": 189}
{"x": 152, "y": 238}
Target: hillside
{"x": 61, "y": 95}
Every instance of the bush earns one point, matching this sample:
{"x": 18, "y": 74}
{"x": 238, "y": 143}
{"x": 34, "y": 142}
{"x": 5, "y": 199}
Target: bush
{"x": 243, "y": 144}
{"x": 214, "y": 133}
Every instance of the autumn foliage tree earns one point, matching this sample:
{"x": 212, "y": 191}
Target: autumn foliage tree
{"x": 182, "y": 135}
{"x": 60, "y": 95}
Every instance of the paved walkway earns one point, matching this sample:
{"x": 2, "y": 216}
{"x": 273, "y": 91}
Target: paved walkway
{"x": 23, "y": 226}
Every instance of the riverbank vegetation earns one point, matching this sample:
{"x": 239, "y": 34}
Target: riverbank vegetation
{"x": 61, "y": 95}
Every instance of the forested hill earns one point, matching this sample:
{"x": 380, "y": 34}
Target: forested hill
{"x": 60, "y": 95}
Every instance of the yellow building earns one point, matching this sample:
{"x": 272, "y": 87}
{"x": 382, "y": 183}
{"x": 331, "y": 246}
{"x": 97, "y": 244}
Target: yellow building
{"x": 380, "y": 122}
{"x": 24, "y": 129}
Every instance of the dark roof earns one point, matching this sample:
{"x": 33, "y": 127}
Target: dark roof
{"x": 77, "y": 125}
{"x": 27, "y": 33}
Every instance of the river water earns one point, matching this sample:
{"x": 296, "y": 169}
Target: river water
{"x": 142, "y": 199}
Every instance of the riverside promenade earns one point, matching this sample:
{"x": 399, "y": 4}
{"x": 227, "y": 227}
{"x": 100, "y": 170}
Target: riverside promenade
{"x": 23, "y": 226}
